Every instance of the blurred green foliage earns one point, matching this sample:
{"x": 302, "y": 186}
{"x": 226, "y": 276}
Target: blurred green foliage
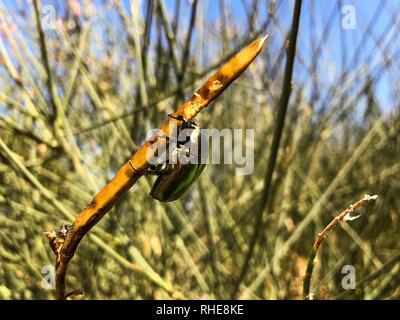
{"x": 115, "y": 75}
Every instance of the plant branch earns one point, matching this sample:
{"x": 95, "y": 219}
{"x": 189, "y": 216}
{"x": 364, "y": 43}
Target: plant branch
{"x": 126, "y": 177}
{"x": 344, "y": 216}
{"x": 283, "y": 103}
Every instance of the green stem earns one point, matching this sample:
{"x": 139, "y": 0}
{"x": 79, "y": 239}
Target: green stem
{"x": 345, "y": 215}
{"x": 307, "y": 275}
{"x": 283, "y": 103}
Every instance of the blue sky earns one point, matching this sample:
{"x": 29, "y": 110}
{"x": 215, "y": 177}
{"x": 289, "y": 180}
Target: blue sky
{"x": 315, "y": 16}
{"x": 357, "y": 46}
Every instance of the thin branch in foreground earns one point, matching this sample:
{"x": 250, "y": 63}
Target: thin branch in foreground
{"x": 344, "y": 216}
{"x": 287, "y": 88}
{"x": 126, "y": 177}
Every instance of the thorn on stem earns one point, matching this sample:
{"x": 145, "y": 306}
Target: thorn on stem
{"x": 77, "y": 292}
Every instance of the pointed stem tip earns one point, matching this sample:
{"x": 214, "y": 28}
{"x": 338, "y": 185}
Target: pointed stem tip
{"x": 262, "y": 41}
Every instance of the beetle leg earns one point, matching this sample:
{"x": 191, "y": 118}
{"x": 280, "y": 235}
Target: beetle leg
{"x": 180, "y": 118}
{"x": 184, "y": 125}
{"x": 179, "y": 142}
{"x": 145, "y": 172}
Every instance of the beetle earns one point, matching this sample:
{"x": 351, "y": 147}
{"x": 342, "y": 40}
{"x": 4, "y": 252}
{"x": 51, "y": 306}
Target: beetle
{"x": 174, "y": 177}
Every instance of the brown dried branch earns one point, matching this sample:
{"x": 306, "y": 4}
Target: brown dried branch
{"x": 51, "y": 237}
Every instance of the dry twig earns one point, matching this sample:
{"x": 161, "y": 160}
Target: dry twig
{"x": 344, "y": 216}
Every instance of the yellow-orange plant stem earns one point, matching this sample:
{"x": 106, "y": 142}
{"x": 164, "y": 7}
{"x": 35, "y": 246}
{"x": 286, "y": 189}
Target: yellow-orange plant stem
{"x": 126, "y": 177}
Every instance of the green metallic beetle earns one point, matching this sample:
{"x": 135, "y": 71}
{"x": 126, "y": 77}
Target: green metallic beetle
{"x": 175, "y": 179}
